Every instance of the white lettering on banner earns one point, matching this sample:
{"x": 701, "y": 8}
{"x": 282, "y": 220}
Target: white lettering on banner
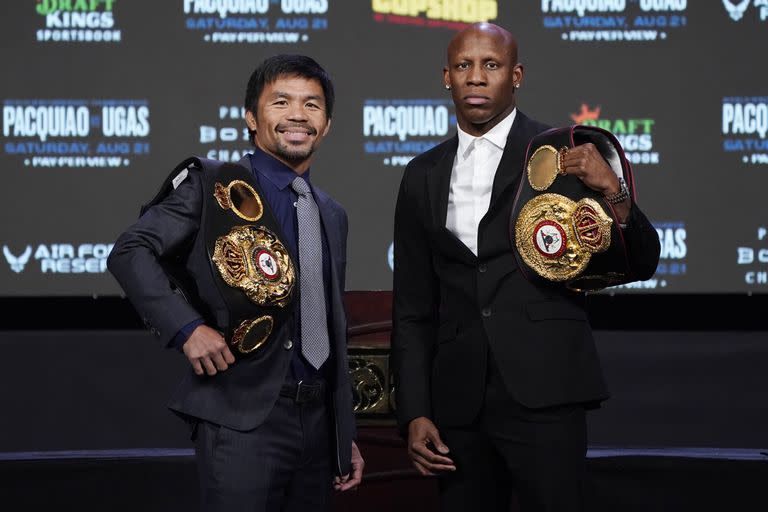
{"x": 405, "y": 121}
{"x": 226, "y": 7}
{"x": 45, "y": 121}
{"x": 663, "y": 5}
{"x": 304, "y": 6}
{"x": 673, "y": 244}
{"x": 125, "y": 121}
{"x": 581, "y": 7}
{"x": 745, "y": 118}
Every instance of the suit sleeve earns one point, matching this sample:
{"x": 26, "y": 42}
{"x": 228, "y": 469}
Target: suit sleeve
{"x": 415, "y": 308}
{"x": 135, "y": 259}
{"x": 642, "y": 245}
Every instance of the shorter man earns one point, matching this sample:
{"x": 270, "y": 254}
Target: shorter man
{"x": 258, "y": 253}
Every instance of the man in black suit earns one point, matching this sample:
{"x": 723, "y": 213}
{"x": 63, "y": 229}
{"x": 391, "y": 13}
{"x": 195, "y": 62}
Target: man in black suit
{"x": 273, "y": 426}
{"x": 493, "y": 373}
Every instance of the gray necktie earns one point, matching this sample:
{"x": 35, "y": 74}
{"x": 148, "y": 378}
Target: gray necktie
{"x": 314, "y": 327}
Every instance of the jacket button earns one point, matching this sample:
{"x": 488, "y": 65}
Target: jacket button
{"x": 486, "y": 312}
{"x": 482, "y": 268}
{"x": 288, "y": 344}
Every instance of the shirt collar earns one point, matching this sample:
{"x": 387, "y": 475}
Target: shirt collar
{"x": 496, "y": 135}
{"x": 273, "y": 169}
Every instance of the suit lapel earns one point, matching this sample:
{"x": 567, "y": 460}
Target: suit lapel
{"x": 331, "y": 228}
{"x": 509, "y": 168}
{"x": 439, "y": 182}
{"x": 438, "y": 187}
{"x": 328, "y": 218}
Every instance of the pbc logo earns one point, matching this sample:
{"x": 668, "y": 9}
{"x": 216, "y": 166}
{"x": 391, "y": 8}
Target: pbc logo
{"x": 17, "y": 262}
{"x": 737, "y": 8}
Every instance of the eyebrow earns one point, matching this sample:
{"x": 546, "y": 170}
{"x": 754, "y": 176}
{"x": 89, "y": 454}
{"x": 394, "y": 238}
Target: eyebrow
{"x": 279, "y": 94}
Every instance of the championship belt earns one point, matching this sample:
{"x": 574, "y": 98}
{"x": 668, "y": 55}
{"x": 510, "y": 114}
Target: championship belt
{"x": 251, "y": 266}
{"x": 565, "y": 233}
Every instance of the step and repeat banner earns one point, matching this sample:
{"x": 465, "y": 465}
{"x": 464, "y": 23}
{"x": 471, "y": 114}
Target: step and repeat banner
{"x": 102, "y": 98}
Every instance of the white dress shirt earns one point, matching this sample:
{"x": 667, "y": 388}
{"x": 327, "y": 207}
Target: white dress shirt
{"x": 472, "y": 179}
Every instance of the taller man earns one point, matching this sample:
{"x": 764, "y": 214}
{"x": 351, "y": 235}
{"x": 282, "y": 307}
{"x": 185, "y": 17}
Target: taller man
{"x": 493, "y": 373}
{"x": 256, "y": 253}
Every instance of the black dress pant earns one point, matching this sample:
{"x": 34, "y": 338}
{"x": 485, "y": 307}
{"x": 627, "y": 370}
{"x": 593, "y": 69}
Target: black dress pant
{"x": 540, "y": 453}
{"x": 282, "y": 465}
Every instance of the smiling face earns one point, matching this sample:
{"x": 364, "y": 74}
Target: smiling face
{"x": 290, "y": 120}
{"x": 482, "y": 72}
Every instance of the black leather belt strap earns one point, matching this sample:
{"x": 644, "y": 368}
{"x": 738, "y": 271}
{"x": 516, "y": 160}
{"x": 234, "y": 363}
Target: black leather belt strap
{"x": 304, "y": 392}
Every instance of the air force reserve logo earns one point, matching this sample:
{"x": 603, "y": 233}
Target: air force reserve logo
{"x": 17, "y": 262}
{"x": 737, "y": 8}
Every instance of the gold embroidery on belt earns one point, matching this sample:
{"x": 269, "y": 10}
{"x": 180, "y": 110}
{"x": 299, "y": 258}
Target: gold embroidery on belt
{"x": 556, "y": 236}
{"x": 253, "y": 260}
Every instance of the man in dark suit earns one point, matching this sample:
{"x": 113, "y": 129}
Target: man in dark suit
{"x": 273, "y": 426}
{"x": 493, "y": 373}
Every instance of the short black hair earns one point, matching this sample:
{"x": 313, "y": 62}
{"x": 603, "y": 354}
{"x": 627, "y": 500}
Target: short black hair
{"x": 287, "y": 65}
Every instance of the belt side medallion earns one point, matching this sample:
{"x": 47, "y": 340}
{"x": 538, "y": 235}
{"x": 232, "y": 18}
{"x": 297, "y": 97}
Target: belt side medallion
{"x": 241, "y": 198}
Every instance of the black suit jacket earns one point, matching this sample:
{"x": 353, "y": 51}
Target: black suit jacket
{"x": 451, "y": 308}
{"x": 242, "y": 396}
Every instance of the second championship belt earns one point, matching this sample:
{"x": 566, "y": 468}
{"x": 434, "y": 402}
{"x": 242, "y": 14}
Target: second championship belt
{"x": 564, "y": 233}
{"x": 251, "y": 265}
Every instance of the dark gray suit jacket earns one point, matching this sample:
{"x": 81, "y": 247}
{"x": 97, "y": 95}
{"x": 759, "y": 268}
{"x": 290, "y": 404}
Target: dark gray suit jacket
{"x": 242, "y": 396}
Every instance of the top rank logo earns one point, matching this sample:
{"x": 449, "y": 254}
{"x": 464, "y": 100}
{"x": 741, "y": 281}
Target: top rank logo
{"x": 453, "y": 14}
{"x": 737, "y": 8}
{"x": 255, "y": 21}
{"x": 82, "y": 21}
{"x": 634, "y": 134}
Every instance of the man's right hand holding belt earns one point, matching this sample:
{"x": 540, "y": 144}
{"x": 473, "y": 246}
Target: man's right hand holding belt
{"x": 207, "y": 351}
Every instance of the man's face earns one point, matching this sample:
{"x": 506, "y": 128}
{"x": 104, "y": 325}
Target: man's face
{"x": 482, "y": 72}
{"x": 290, "y": 120}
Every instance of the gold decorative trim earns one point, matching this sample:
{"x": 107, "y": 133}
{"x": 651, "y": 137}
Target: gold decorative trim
{"x": 543, "y": 167}
{"x": 253, "y": 260}
{"x": 556, "y": 236}
{"x": 223, "y": 196}
{"x": 368, "y": 381}
{"x": 257, "y": 339}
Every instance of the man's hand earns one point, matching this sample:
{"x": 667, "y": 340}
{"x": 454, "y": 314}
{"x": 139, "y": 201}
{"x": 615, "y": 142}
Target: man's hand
{"x": 207, "y": 351}
{"x": 422, "y": 437}
{"x": 586, "y": 163}
{"x": 346, "y": 482}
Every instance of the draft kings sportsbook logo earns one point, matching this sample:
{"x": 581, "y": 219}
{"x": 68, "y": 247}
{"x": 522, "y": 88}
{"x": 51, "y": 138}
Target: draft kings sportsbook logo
{"x": 77, "y": 21}
{"x": 635, "y": 134}
{"x": 451, "y": 14}
{"x": 255, "y": 21}
{"x": 640, "y": 21}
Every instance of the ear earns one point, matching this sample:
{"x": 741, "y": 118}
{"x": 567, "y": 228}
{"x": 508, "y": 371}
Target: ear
{"x": 250, "y": 120}
{"x": 517, "y": 73}
{"x": 446, "y": 77}
{"x": 327, "y": 127}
